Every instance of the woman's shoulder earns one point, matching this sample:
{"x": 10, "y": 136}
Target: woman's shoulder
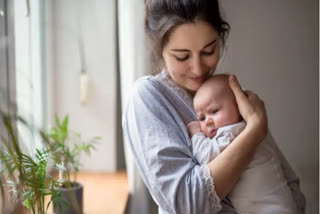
{"x": 145, "y": 94}
{"x": 144, "y": 82}
{"x": 148, "y": 87}
{"x": 148, "y": 104}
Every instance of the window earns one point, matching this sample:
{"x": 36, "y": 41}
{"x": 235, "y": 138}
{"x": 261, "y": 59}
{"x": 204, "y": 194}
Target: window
{"x": 25, "y": 41}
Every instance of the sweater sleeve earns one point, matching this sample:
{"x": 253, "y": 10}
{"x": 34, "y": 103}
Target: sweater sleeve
{"x": 162, "y": 149}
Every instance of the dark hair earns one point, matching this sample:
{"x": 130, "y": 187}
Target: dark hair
{"x": 162, "y": 16}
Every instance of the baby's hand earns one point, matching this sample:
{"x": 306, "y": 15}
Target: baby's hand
{"x": 194, "y": 128}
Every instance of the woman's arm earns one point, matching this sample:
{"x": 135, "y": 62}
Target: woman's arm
{"x": 228, "y": 166}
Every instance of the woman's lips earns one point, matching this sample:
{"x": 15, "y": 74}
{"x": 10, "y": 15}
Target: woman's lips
{"x": 198, "y": 79}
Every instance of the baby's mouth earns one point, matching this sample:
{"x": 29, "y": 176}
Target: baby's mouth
{"x": 211, "y": 129}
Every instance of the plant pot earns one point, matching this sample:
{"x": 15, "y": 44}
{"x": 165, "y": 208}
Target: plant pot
{"x": 73, "y": 198}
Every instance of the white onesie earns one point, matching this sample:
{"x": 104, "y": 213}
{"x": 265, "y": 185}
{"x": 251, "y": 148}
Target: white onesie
{"x": 262, "y": 187}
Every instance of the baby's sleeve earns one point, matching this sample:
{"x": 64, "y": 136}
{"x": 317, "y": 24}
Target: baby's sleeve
{"x": 206, "y": 149}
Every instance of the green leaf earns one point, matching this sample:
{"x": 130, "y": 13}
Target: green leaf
{"x": 65, "y": 123}
{"x": 57, "y": 120}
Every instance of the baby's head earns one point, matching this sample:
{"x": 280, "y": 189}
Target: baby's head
{"x": 215, "y": 105}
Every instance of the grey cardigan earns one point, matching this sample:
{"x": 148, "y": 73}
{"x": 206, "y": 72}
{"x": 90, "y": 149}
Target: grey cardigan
{"x": 154, "y": 124}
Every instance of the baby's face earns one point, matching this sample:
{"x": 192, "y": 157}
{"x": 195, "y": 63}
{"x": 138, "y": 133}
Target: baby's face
{"x": 215, "y": 106}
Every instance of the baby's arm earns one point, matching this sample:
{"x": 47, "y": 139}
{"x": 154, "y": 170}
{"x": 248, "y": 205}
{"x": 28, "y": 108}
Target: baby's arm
{"x": 203, "y": 148}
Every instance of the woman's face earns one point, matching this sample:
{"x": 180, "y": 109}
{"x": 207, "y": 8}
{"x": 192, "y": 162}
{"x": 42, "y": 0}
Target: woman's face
{"x": 191, "y": 54}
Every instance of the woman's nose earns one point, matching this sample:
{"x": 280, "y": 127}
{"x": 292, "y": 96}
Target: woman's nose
{"x": 197, "y": 70}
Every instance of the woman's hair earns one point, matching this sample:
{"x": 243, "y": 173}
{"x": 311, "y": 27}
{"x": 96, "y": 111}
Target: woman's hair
{"x": 162, "y": 16}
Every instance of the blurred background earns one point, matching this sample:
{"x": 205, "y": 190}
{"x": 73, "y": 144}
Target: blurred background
{"x": 81, "y": 57}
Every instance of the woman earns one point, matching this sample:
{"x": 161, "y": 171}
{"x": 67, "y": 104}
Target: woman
{"x": 187, "y": 37}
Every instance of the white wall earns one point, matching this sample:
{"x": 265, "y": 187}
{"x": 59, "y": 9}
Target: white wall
{"x": 95, "y": 19}
{"x": 273, "y": 49}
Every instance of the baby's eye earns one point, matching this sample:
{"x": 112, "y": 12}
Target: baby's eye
{"x": 215, "y": 111}
{"x": 202, "y": 118}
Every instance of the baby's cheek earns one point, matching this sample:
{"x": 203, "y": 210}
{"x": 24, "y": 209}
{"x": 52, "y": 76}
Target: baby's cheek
{"x": 221, "y": 120}
{"x": 205, "y": 130}
{"x": 203, "y": 126}
{"x": 224, "y": 119}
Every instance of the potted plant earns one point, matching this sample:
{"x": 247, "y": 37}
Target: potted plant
{"x": 66, "y": 147}
{"x": 26, "y": 177}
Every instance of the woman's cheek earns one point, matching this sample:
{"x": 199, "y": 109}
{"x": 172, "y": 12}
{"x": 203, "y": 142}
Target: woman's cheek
{"x": 177, "y": 69}
{"x": 181, "y": 68}
{"x": 213, "y": 62}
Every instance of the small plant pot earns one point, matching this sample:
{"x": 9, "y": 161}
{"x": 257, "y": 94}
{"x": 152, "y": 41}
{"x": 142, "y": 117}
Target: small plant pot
{"x": 73, "y": 200}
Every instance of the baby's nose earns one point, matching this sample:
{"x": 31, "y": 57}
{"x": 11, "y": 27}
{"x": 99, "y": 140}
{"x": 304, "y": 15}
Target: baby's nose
{"x": 209, "y": 122}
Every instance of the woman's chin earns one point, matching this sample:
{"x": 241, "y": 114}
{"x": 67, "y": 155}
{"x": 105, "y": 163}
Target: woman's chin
{"x": 193, "y": 88}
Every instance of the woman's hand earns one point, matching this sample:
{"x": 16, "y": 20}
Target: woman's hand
{"x": 251, "y": 108}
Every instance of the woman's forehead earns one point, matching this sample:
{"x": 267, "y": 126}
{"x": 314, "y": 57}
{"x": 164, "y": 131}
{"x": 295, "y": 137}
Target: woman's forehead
{"x": 191, "y": 36}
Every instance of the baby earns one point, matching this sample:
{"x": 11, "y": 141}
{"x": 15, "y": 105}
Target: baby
{"x": 261, "y": 188}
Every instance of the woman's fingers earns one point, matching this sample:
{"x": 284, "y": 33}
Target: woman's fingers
{"x": 236, "y": 88}
{"x": 247, "y": 92}
{"x": 251, "y": 96}
{"x": 254, "y": 98}
{"x": 242, "y": 99}
{"x": 251, "y": 108}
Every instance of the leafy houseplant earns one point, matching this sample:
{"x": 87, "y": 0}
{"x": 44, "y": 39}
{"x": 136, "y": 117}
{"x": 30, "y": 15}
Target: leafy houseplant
{"x": 27, "y": 177}
{"x": 66, "y": 147}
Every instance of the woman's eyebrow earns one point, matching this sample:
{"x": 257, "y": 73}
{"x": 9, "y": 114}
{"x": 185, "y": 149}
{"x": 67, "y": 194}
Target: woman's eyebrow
{"x": 180, "y": 50}
{"x": 210, "y": 43}
{"x": 186, "y": 50}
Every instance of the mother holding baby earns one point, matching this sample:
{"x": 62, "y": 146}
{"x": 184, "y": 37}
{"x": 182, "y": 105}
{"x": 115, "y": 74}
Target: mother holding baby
{"x": 187, "y": 38}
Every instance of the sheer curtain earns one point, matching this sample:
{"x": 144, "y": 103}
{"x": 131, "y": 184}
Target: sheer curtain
{"x": 7, "y": 82}
{"x": 134, "y": 63}
{"x": 21, "y": 69}
{"x": 21, "y": 64}
{"x": 29, "y": 68}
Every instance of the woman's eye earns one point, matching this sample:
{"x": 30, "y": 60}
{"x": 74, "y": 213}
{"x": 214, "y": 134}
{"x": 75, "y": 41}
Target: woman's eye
{"x": 182, "y": 58}
{"x": 208, "y": 53}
